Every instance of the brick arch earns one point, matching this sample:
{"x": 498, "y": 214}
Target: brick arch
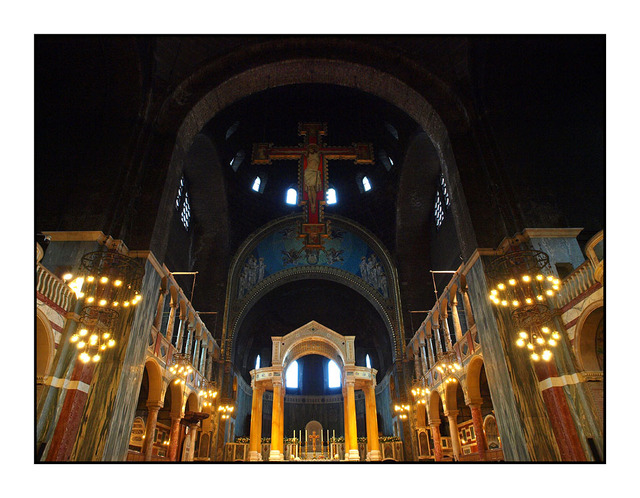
{"x": 213, "y": 88}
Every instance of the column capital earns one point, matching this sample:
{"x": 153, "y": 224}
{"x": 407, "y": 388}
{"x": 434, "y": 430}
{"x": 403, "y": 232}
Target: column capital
{"x": 154, "y": 405}
{"x": 434, "y": 423}
{"x": 451, "y": 413}
{"x": 473, "y": 401}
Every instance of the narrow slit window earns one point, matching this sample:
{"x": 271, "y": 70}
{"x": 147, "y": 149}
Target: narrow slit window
{"x": 256, "y": 184}
{"x": 185, "y": 215}
{"x": 332, "y": 197}
{"x": 368, "y": 361}
{"x": 257, "y": 362}
{"x": 334, "y": 374}
{"x": 438, "y": 212}
{"x": 366, "y": 184}
{"x": 291, "y": 377}
{"x": 445, "y": 191}
{"x": 292, "y": 196}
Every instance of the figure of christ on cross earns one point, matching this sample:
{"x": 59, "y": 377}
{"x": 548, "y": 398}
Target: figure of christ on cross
{"x": 314, "y": 437}
{"x": 313, "y": 157}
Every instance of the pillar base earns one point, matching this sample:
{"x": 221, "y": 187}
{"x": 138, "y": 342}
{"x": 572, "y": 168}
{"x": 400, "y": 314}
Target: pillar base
{"x": 354, "y": 456}
{"x": 254, "y": 456}
{"x": 375, "y": 456}
{"x": 276, "y": 456}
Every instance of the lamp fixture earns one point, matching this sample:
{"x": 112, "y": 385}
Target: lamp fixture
{"x": 524, "y": 285}
{"x": 226, "y": 411}
{"x": 105, "y": 280}
{"x": 402, "y": 411}
{"x": 181, "y": 368}
{"x": 208, "y": 392}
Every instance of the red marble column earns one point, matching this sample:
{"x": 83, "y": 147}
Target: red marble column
{"x": 152, "y": 420}
{"x": 560, "y": 417}
{"x": 437, "y": 443}
{"x": 481, "y": 440}
{"x": 174, "y": 438}
{"x": 66, "y": 431}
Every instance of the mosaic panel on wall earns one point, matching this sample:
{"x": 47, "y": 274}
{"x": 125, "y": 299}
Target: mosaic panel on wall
{"x": 282, "y": 249}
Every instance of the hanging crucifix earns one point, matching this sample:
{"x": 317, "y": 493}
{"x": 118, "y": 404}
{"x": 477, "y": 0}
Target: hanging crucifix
{"x": 313, "y": 175}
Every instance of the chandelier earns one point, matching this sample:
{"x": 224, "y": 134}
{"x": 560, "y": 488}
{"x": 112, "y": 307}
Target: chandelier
{"x": 448, "y": 365}
{"x": 420, "y": 394}
{"x": 96, "y": 333}
{"x": 402, "y": 411}
{"x": 523, "y": 285}
{"x": 181, "y": 367}
{"x": 226, "y": 411}
{"x": 208, "y": 392}
{"x": 106, "y": 282}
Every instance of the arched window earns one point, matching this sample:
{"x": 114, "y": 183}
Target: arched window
{"x": 291, "y": 377}
{"x": 256, "y": 184}
{"x": 367, "y": 361}
{"x": 366, "y": 184}
{"x": 332, "y": 197}
{"x": 257, "y": 362}
{"x": 292, "y": 196}
{"x": 333, "y": 374}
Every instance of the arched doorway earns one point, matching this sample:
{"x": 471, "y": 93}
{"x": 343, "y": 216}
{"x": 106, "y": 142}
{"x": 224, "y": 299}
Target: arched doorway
{"x": 589, "y": 340}
{"x": 481, "y": 407}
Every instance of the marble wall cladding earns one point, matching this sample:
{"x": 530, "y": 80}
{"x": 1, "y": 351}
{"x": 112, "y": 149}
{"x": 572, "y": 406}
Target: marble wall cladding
{"x": 520, "y": 412}
{"x": 383, "y": 407}
{"x": 110, "y": 410}
{"x": 59, "y": 254}
{"x": 242, "y": 409}
{"x": 560, "y": 250}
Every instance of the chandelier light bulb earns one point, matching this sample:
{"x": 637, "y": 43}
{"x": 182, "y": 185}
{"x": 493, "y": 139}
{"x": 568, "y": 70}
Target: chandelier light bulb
{"x": 526, "y": 278}
{"x": 117, "y": 283}
{"x": 512, "y": 281}
{"x": 551, "y": 342}
{"x": 90, "y": 299}
{"x": 504, "y": 303}
{"x": 546, "y": 355}
{"x": 501, "y": 286}
{"x": 539, "y": 297}
{"x": 555, "y": 335}
{"x": 84, "y": 357}
{"x": 539, "y": 277}
{"x": 549, "y": 292}
{"x": 81, "y": 344}
{"x": 67, "y": 276}
{"x": 74, "y": 338}
{"x": 111, "y": 343}
{"x": 104, "y": 280}
{"x": 515, "y": 303}
{"x": 535, "y": 356}
{"x": 90, "y": 278}
{"x": 96, "y": 358}
{"x": 528, "y": 300}
{"x": 529, "y": 346}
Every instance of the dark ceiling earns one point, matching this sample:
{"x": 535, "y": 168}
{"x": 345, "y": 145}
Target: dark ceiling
{"x": 273, "y": 116}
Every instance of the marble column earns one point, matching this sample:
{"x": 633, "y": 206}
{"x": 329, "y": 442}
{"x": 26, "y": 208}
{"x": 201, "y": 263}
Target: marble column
{"x": 452, "y": 415}
{"x": 196, "y": 354}
{"x": 153, "y": 407}
{"x": 346, "y": 422}
{"x": 182, "y": 329}
{"x": 174, "y": 437}
{"x": 209, "y": 362}
{"x": 467, "y": 309}
{"x": 372, "y": 424}
{"x": 354, "y": 455}
{"x": 193, "y": 432}
{"x": 276, "y": 453}
{"x": 157, "y": 322}
{"x": 432, "y": 353}
{"x": 425, "y": 364}
{"x": 255, "y": 434}
{"x": 436, "y": 335}
{"x": 417, "y": 363}
{"x": 456, "y": 318}
{"x": 73, "y": 406}
{"x": 437, "y": 442}
{"x": 172, "y": 319}
{"x": 481, "y": 440}
{"x": 447, "y": 334}
{"x": 562, "y": 423}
